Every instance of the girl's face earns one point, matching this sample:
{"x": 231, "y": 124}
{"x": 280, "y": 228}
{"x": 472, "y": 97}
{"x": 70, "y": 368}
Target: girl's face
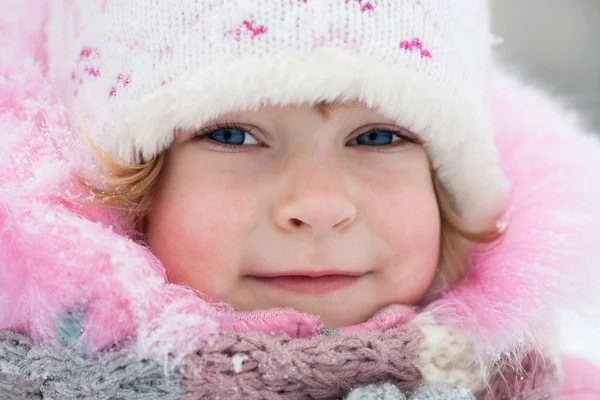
{"x": 332, "y": 214}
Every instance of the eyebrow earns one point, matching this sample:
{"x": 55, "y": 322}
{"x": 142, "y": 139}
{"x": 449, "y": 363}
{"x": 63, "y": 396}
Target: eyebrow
{"x": 325, "y": 108}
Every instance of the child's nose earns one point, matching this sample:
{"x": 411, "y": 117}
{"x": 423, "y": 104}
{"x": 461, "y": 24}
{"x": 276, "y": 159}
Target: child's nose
{"x": 317, "y": 203}
{"x": 318, "y": 215}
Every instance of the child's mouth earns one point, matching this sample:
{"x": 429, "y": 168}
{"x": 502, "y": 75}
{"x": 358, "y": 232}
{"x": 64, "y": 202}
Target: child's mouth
{"x": 309, "y": 284}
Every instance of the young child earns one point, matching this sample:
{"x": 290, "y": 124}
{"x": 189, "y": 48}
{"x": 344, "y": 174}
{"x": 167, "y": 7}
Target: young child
{"x": 284, "y": 199}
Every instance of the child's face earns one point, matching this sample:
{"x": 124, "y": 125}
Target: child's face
{"x": 333, "y": 215}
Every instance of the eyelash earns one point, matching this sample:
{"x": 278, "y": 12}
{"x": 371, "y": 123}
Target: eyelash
{"x": 236, "y": 148}
{"x": 203, "y": 134}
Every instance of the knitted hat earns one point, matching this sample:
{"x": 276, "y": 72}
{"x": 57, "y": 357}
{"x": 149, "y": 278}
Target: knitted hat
{"x": 134, "y": 70}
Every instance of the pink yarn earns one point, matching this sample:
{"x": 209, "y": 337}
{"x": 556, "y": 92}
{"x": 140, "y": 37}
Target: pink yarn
{"x": 257, "y": 366}
{"x": 287, "y": 321}
{"x": 536, "y": 378}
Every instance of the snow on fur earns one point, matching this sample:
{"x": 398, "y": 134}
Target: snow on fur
{"x": 549, "y": 255}
{"x": 57, "y": 258}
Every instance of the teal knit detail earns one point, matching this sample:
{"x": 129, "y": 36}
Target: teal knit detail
{"x": 69, "y": 326}
{"x": 329, "y": 331}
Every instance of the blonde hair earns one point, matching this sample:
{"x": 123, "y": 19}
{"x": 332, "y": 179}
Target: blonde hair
{"x": 128, "y": 187}
{"x": 131, "y": 188}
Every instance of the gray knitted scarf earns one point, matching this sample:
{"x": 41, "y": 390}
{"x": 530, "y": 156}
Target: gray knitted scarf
{"x": 230, "y": 368}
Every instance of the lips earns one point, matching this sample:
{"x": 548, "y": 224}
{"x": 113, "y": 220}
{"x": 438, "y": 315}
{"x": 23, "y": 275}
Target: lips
{"x": 315, "y": 284}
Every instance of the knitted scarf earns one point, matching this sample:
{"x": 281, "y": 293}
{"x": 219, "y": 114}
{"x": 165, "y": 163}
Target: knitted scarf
{"x": 253, "y": 366}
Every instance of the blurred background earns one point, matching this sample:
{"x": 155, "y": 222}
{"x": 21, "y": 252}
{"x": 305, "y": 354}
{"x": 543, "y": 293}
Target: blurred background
{"x": 555, "y": 44}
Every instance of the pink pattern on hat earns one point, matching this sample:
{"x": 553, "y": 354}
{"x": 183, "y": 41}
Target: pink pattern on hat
{"x": 166, "y": 81}
{"x": 122, "y": 81}
{"x": 166, "y": 51}
{"x": 88, "y": 52}
{"x": 415, "y": 43}
{"x": 132, "y": 44}
{"x": 246, "y": 28}
{"x": 364, "y": 5}
{"x": 83, "y": 68}
{"x": 94, "y": 72}
{"x": 337, "y": 35}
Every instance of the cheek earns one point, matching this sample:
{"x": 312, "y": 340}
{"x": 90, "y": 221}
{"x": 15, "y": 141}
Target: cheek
{"x": 407, "y": 218}
{"x": 195, "y": 228}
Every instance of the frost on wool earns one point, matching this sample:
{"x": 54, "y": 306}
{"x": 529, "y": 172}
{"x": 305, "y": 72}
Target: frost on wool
{"x": 237, "y": 361}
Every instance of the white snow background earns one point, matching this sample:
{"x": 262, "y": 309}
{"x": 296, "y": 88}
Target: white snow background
{"x": 580, "y": 335}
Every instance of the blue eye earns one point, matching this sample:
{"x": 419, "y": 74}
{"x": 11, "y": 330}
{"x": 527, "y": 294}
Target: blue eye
{"x": 376, "y": 138}
{"x": 232, "y": 136}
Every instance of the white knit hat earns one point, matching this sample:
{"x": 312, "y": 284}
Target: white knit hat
{"x": 134, "y": 70}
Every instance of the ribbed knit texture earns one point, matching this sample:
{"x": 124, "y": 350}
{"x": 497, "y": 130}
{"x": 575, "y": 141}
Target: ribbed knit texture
{"x": 248, "y": 366}
{"x": 256, "y": 366}
{"x": 446, "y": 355}
{"x": 58, "y": 373}
{"x": 428, "y": 392}
{"x": 55, "y": 372}
{"x": 377, "y": 366}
